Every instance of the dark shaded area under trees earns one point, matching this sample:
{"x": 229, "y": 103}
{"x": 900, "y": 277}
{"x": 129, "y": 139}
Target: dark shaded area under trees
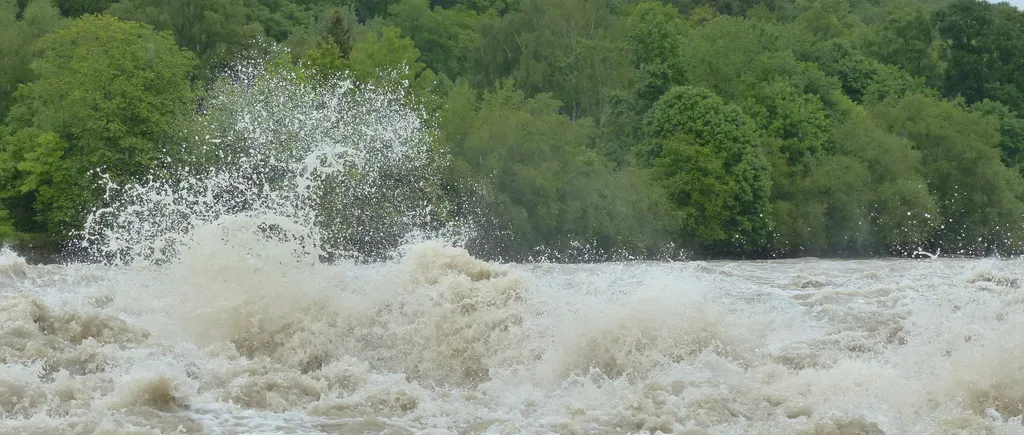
{"x": 579, "y": 129}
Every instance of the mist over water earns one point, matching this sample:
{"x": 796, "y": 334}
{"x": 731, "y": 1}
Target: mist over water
{"x": 213, "y": 311}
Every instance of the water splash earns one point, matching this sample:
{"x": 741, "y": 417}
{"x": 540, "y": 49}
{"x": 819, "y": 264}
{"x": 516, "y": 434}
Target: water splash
{"x": 326, "y": 167}
{"x": 12, "y": 266}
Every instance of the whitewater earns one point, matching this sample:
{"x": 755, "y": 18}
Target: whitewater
{"x": 297, "y": 276}
{"x": 439, "y": 342}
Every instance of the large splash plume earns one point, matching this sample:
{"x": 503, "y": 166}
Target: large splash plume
{"x": 330, "y": 167}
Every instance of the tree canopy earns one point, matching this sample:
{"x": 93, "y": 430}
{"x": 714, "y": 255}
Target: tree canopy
{"x": 105, "y": 97}
{"x": 570, "y": 129}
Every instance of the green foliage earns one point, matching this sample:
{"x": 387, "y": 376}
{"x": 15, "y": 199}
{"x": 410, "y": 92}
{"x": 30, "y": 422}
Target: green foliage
{"x": 721, "y": 54}
{"x": 826, "y": 19}
{"x": 215, "y": 30}
{"x": 867, "y": 197}
{"x": 287, "y": 20}
{"x": 19, "y": 29}
{"x": 387, "y": 60}
{"x": 977, "y": 195}
{"x": 902, "y": 212}
{"x": 906, "y": 39}
{"x": 77, "y": 8}
{"x": 798, "y": 119}
{"x": 389, "y": 57}
{"x": 696, "y": 179}
{"x": 656, "y": 38}
{"x": 864, "y": 80}
{"x": 570, "y": 50}
{"x": 369, "y": 9}
{"x": 479, "y": 6}
{"x": 706, "y": 156}
{"x": 732, "y": 127}
{"x": 446, "y": 38}
{"x": 1011, "y": 132}
{"x": 126, "y": 84}
{"x": 339, "y": 31}
{"x": 540, "y": 179}
{"x": 737, "y": 8}
{"x": 6, "y": 226}
{"x": 984, "y": 50}
{"x": 497, "y": 53}
{"x": 621, "y": 128}
{"x": 734, "y": 57}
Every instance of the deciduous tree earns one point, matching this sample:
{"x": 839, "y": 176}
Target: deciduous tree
{"x": 105, "y": 98}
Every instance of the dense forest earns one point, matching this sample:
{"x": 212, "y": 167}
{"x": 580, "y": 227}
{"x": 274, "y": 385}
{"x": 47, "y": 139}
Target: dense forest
{"x": 718, "y": 128}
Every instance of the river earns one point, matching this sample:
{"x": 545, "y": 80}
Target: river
{"x": 438, "y": 342}
{"x": 208, "y": 310}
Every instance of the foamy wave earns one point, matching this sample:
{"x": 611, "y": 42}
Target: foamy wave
{"x": 634, "y": 338}
{"x": 12, "y": 266}
{"x": 439, "y": 340}
{"x": 442, "y": 316}
{"x": 152, "y": 387}
{"x": 60, "y": 340}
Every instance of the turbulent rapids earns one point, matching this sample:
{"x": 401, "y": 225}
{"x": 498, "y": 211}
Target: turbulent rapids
{"x": 439, "y": 342}
{"x": 207, "y": 307}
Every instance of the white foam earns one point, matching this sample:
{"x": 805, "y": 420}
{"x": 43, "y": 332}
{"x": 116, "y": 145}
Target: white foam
{"x": 438, "y": 341}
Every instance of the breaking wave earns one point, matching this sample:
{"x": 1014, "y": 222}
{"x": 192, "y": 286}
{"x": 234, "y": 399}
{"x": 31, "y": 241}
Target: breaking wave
{"x": 437, "y": 340}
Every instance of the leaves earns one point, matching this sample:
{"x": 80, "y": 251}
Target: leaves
{"x": 215, "y": 30}
{"x": 17, "y": 38}
{"x": 984, "y": 48}
{"x": 541, "y": 180}
{"x": 738, "y": 128}
{"x": 979, "y": 197}
{"x": 699, "y": 142}
{"x": 106, "y": 96}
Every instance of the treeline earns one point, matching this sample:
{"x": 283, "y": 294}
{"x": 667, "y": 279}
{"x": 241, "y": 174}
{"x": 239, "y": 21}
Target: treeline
{"x": 572, "y": 128}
